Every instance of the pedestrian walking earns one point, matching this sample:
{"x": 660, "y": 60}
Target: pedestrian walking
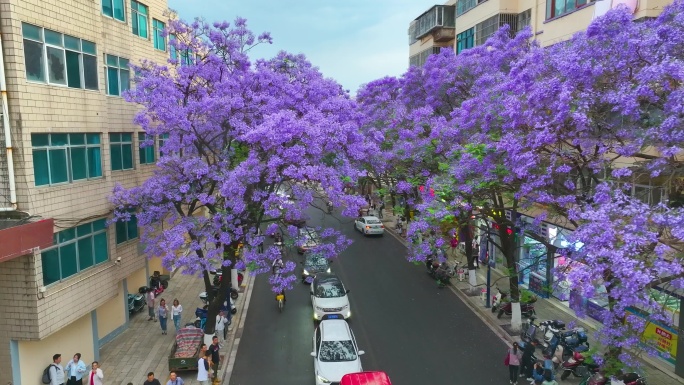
{"x": 512, "y": 360}
{"x": 75, "y": 370}
{"x": 176, "y": 312}
{"x": 96, "y": 376}
{"x": 163, "y": 314}
{"x": 203, "y": 368}
{"x": 56, "y": 370}
{"x": 150, "y": 305}
{"x": 174, "y": 379}
{"x": 221, "y": 322}
{"x": 151, "y": 380}
{"x": 214, "y": 351}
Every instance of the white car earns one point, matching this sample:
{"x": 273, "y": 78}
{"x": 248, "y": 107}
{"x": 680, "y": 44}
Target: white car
{"x": 328, "y": 296}
{"x": 335, "y": 351}
{"x": 369, "y": 225}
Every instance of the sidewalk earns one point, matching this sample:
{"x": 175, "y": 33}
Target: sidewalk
{"x": 656, "y": 372}
{"x": 142, "y": 348}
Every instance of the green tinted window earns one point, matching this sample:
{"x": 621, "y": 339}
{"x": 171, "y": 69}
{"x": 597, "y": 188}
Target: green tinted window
{"x": 51, "y": 271}
{"x": 59, "y": 158}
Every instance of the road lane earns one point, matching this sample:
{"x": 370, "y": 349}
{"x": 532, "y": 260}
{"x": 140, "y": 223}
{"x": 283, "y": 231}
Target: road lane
{"x": 407, "y": 326}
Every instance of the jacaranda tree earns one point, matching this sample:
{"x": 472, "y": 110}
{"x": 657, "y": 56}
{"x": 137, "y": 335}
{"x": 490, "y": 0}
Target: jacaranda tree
{"x": 247, "y": 148}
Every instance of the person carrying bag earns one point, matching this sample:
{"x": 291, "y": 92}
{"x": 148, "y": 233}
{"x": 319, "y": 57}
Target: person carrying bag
{"x": 512, "y": 360}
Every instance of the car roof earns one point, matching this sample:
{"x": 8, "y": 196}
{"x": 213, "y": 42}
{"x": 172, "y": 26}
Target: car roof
{"x": 370, "y": 217}
{"x": 327, "y": 277}
{"x": 335, "y": 330}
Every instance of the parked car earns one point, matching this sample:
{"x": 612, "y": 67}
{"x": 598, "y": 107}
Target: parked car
{"x": 308, "y": 239}
{"x": 366, "y": 378}
{"x": 313, "y": 264}
{"x": 328, "y": 296}
{"x": 369, "y": 225}
{"x": 335, "y": 351}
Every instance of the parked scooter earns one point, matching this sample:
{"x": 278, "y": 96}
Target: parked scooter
{"x": 526, "y": 309}
{"x": 136, "y": 302}
{"x": 498, "y": 298}
{"x": 627, "y": 379}
{"x": 205, "y": 301}
{"x": 577, "y": 366}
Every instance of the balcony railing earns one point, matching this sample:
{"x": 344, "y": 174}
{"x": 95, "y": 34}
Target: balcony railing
{"x": 464, "y": 6}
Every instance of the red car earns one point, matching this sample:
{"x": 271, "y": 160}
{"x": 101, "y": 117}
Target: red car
{"x": 366, "y": 378}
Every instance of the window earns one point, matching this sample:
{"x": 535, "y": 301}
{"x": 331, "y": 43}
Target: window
{"x": 159, "y": 38}
{"x": 139, "y": 19}
{"x": 146, "y": 143}
{"x": 524, "y": 19}
{"x": 421, "y": 57}
{"x": 487, "y": 28}
{"x": 162, "y": 139}
{"x": 114, "y": 9}
{"x": 75, "y": 250}
{"x": 126, "y": 231}
{"x": 555, "y": 8}
{"x": 465, "y": 40}
{"x": 118, "y": 75}
{"x": 64, "y": 158}
{"x": 121, "y": 148}
{"x": 55, "y": 58}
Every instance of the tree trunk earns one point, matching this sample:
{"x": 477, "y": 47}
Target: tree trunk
{"x": 508, "y": 247}
{"x": 466, "y": 237}
{"x": 216, "y": 302}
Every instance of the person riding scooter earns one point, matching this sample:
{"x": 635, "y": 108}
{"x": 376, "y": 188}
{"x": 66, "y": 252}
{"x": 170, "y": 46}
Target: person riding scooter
{"x": 277, "y": 266}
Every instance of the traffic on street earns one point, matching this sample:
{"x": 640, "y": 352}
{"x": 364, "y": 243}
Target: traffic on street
{"x": 402, "y": 321}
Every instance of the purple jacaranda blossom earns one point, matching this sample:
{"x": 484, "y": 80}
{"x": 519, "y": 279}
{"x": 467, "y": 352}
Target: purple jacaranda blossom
{"x": 246, "y": 146}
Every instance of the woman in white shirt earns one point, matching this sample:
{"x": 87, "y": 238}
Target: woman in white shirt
{"x": 176, "y": 311}
{"x": 95, "y": 376}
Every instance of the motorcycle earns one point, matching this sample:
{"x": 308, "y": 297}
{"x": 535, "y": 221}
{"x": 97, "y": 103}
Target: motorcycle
{"x": 496, "y": 300}
{"x": 201, "y": 318}
{"x": 577, "y": 366}
{"x": 203, "y": 297}
{"x": 136, "y": 302}
{"x": 548, "y": 329}
{"x": 626, "y": 379}
{"x": 218, "y": 276}
{"x": 567, "y": 345}
{"x": 526, "y": 309}
{"x": 441, "y": 272}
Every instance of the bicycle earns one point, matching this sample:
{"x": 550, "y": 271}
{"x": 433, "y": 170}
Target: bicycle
{"x": 281, "y": 302}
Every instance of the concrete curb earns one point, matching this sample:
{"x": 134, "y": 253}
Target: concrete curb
{"x": 236, "y": 334}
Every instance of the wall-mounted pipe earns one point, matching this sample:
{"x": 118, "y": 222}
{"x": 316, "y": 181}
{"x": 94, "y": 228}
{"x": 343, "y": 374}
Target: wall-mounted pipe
{"x": 8, "y": 134}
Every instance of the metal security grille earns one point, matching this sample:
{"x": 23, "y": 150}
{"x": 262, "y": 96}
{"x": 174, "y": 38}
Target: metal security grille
{"x": 4, "y": 174}
{"x": 487, "y": 28}
{"x": 420, "y": 58}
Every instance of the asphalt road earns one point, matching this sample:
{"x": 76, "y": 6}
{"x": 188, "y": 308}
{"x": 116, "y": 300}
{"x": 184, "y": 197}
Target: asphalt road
{"x": 409, "y": 328}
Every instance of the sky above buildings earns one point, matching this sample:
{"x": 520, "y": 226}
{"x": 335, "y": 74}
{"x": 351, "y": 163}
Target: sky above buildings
{"x": 352, "y": 41}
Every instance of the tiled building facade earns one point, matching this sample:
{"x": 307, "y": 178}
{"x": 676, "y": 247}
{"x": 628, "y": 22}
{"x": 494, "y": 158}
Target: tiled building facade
{"x": 65, "y": 66}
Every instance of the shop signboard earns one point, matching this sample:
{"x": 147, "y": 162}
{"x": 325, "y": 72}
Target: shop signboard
{"x": 538, "y": 285}
{"x": 583, "y": 305}
{"x": 663, "y": 338}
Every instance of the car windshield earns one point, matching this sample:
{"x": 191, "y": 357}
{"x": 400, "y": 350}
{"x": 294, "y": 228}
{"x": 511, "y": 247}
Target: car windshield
{"x": 330, "y": 289}
{"x": 373, "y": 221}
{"x": 337, "y": 351}
{"x": 316, "y": 261}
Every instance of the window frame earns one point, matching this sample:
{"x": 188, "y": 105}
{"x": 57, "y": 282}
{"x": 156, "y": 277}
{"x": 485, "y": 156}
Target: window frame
{"x": 120, "y": 143}
{"x": 465, "y": 36}
{"x": 550, "y": 11}
{"x": 68, "y": 155}
{"x": 119, "y": 68}
{"x": 57, "y": 245}
{"x": 158, "y": 34}
{"x": 64, "y": 49}
{"x": 126, "y": 229}
{"x": 111, "y": 2}
{"x": 147, "y": 150}
{"x": 135, "y": 18}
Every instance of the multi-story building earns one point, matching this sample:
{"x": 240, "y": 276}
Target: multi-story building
{"x": 64, "y": 280}
{"x": 468, "y": 23}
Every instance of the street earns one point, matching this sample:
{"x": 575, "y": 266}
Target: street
{"x": 408, "y": 327}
